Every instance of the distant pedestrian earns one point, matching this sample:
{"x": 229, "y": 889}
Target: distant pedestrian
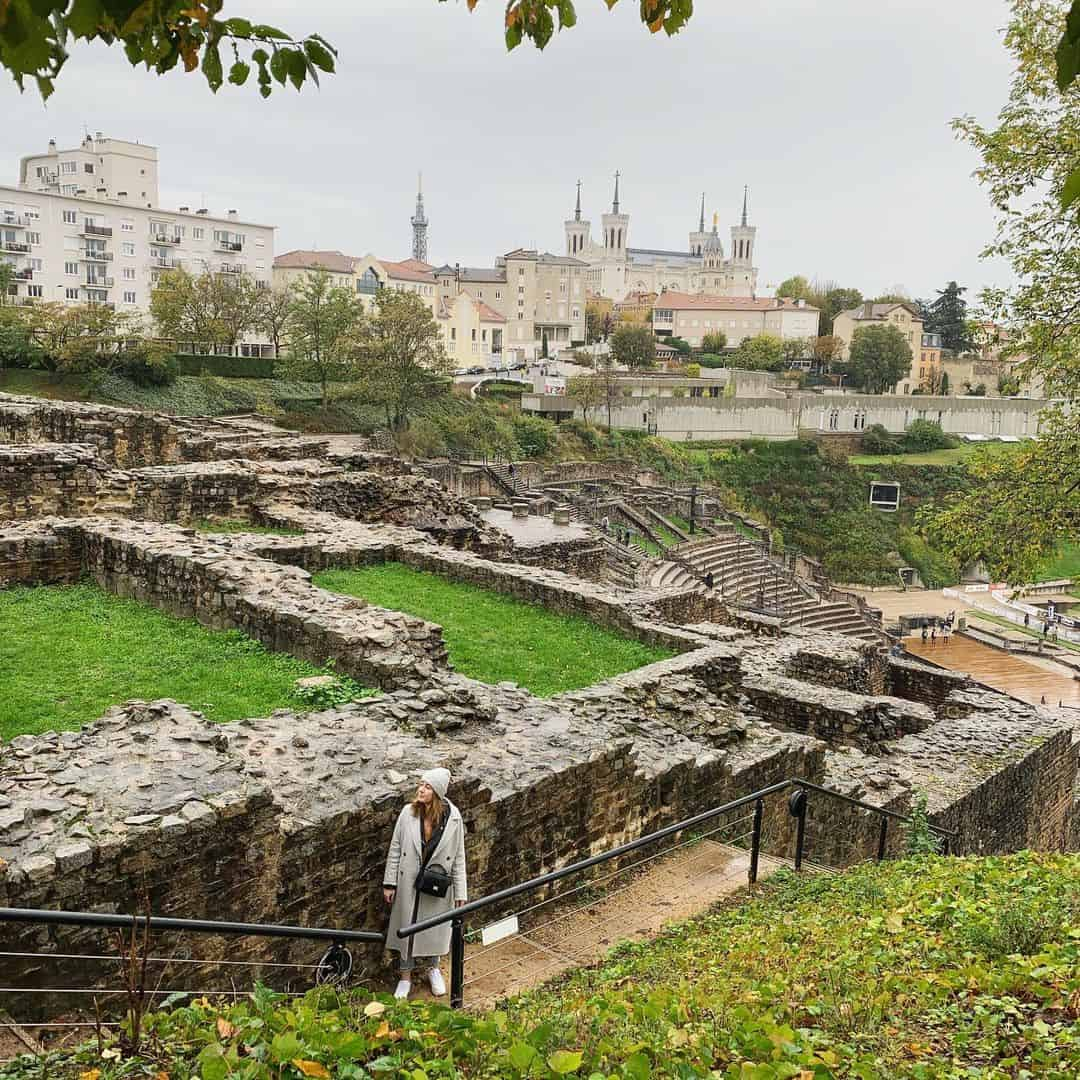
{"x": 710, "y": 581}
{"x": 1027, "y": 619}
{"x": 605, "y": 523}
{"x": 924, "y": 634}
{"x": 511, "y": 471}
{"x": 933, "y": 635}
{"x": 1042, "y": 700}
{"x": 945, "y": 631}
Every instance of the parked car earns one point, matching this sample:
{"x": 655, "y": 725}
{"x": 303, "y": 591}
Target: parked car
{"x": 475, "y": 371}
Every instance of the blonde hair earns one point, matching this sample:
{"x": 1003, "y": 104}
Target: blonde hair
{"x": 429, "y": 812}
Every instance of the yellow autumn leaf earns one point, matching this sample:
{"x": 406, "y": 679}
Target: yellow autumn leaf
{"x": 383, "y": 1030}
{"x": 312, "y": 1068}
{"x": 90, "y": 1074}
{"x": 163, "y": 1075}
{"x": 225, "y": 1029}
{"x": 374, "y": 1008}
{"x": 894, "y": 922}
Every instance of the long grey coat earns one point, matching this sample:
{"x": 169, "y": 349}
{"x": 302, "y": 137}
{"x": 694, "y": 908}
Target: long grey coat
{"x": 402, "y": 867}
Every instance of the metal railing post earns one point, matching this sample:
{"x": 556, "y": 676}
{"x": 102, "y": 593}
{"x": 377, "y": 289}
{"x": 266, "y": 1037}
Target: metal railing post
{"x": 457, "y": 963}
{"x": 883, "y": 832}
{"x": 755, "y": 841}
{"x": 797, "y": 807}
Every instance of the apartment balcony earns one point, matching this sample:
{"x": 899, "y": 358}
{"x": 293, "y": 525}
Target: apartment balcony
{"x": 165, "y": 238}
{"x": 93, "y": 255}
{"x": 228, "y": 245}
{"x": 23, "y": 275}
{"x": 94, "y": 230}
{"x": 107, "y": 304}
{"x": 98, "y": 283}
{"x": 17, "y": 221}
{"x": 166, "y": 264}
{"x": 231, "y": 268}
{"x": 13, "y": 245}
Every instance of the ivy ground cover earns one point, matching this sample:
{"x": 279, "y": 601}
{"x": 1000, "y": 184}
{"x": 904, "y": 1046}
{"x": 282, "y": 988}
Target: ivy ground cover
{"x": 67, "y": 653}
{"x": 926, "y": 969}
{"x": 495, "y": 638}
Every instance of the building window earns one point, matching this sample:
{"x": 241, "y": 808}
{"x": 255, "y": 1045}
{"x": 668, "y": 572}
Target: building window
{"x": 70, "y": 217}
{"x": 453, "y": 333}
{"x": 129, "y": 273}
{"x": 521, "y": 271}
{"x": 33, "y": 238}
{"x": 71, "y": 293}
{"x": 36, "y": 264}
{"x": 129, "y": 298}
{"x": 88, "y": 168}
{"x": 198, "y": 232}
{"x": 521, "y": 314}
{"x": 127, "y": 225}
{"x": 474, "y": 335}
{"x": 34, "y": 290}
{"x": 71, "y": 268}
{"x": 834, "y": 419}
{"x": 127, "y": 248}
{"x": 70, "y": 189}
{"x": 68, "y": 166}
{"x": 498, "y": 295}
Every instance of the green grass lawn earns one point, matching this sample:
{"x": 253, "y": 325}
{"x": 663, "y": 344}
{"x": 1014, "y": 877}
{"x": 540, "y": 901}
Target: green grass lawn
{"x": 1065, "y": 564}
{"x": 1035, "y": 634}
{"x": 955, "y": 456}
{"x": 922, "y": 969}
{"x": 211, "y": 527}
{"x": 69, "y": 652}
{"x": 494, "y": 638}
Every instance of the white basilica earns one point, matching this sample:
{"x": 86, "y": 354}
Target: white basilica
{"x": 616, "y": 269}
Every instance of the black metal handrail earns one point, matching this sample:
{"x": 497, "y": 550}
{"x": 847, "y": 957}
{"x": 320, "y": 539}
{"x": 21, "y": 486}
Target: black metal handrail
{"x": 334, "y": 965}
{"x": 797, "y": 806}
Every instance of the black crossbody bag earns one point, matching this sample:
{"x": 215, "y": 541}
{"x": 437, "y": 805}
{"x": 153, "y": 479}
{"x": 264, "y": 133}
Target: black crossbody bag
{"x": 433, "y": 880}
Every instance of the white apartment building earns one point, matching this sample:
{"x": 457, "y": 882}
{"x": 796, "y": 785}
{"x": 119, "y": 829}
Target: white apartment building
{"x": 84, "y": 226}
{"x": 692, "y": 317}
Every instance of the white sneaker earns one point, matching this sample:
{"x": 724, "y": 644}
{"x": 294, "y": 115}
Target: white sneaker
{"x": 438, "y": 983}
{"x": 403, "y": 988}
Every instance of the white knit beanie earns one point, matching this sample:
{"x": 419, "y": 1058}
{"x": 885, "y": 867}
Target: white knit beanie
{"x": 438, "y": 779}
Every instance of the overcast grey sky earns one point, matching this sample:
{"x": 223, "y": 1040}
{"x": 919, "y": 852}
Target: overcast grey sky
{"x": 835, "y": 112}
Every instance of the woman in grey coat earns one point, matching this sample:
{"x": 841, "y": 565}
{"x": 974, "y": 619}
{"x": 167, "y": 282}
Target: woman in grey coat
{"x": 431, "y": 822}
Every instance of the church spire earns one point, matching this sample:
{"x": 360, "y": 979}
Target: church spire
{"x": 745, "y": 195}
{"x": 419, "y": 223}
{"x": 615, "y": 201}
{"x": 701, "y": 225}
{"x": 577, "y": 207}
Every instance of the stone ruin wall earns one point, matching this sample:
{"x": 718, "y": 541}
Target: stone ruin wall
{"x": 149, "y": 803}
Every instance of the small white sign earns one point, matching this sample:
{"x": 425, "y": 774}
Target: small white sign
{"x": 976, "y": 588}
{"x": 496, "y": 931}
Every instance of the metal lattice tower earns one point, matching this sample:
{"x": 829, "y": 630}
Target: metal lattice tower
{"x": 419, "y": 223}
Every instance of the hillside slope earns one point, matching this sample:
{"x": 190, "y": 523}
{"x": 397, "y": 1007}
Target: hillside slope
{"x": 928, "y": 968}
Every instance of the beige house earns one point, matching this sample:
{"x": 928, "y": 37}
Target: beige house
{"x": 691, "y": 317}
{"x": 472, "y": 330}
{"x": 539, "y": 295}
{"x": 294, "y": 266}
{"x": 905, "y": 317}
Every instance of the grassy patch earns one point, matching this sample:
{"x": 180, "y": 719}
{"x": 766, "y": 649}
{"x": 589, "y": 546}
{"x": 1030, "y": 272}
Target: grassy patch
{"x": 245, "y": 527}
{"x": 1034, "y": 631}
{"x": 495, "y": 638}
{"x": 955, "y": 456}
{"x": 1065, "y": 564}
{"x": 69, "y": 652}
{"x": 927, "y": 969}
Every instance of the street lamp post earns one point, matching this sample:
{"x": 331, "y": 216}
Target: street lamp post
{"x": 693, "y": 506}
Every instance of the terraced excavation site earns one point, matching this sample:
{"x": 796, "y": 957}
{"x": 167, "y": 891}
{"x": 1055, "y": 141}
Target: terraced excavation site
{"x": 167, "y": 582}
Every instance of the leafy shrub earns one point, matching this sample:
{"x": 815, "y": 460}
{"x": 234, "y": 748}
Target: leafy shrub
{"x": 18, "y": 348}
{"x": 227, "y": 367}
{"x": 713, "y": 360}
{"x": 877, "y": 440}
{"x": 936, "y": 568}
{"x": 535, "y": 436}
{"x": 924, "y": 435}
{"x": 588, "y": 434}
{"x": 146, "y": 365}
{"x": 328, "y": 696}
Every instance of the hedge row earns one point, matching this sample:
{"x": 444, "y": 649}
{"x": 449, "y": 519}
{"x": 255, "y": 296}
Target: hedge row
{"x": 228, "y": 367}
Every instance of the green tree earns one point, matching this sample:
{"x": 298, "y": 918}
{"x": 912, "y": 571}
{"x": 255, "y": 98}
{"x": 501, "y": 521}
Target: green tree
{"x": 273, "y": 315}
{"x": 795, "y": 288}
{"x": 831, "y": 302}
{"x": 325, "y": 331}
{"x": 1024, "y": 504}
{"x": 36, "y": 38}
{"x": 7, "y": 278}
{"x": 587, "y": 391}
{"x": 794, "y": 349}
{"x": 948, "y": 317}
{"x": 826, "y": 349}
{"x": 714, "y": 342}
{"x": 879, "y": 357}
{"x": 207, "y": 310}
{"x": 693, "y": 371}
{"x": 404, "y": 364}
{"x": 765, "y": 352}
{"x": 634, "y": 346}
{"x": 680, "y": 345}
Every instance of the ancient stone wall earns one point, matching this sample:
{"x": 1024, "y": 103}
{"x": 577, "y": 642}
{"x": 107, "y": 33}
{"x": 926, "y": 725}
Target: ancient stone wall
{"x": 918, "y": 681}
{"x": 851, "y": 665}
{"x": 40, "y": 553}
{"x": 43, "y": 479}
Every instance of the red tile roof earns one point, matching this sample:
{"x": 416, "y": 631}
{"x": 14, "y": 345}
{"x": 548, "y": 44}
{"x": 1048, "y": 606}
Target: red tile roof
{"x": 687, "y": 302}
{"x": 488, "y": 314}
{"x": 334, "y": 261}
{"x": 407, "y": 270}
